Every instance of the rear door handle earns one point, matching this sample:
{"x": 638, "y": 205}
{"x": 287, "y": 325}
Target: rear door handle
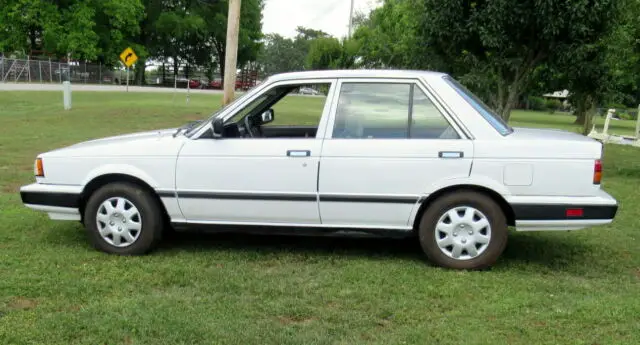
{"x": 451, "y": 154}
{"x": 298, "y": 153}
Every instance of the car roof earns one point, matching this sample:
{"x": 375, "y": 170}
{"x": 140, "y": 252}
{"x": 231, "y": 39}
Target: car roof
{"x": 358, "y": 73}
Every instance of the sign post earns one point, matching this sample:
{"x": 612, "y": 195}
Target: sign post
{"x": 128, "y": 58}
{"x": 66, "y": 94}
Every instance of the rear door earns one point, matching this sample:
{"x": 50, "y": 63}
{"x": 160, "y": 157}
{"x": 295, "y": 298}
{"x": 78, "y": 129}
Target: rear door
{"x": 385, "y": 144}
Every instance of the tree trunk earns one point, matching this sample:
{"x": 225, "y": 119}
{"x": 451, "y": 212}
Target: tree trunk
{"x": 588, "y": 120}
{"x": 221, "y": 61}
{"x": 508, "y": 100}
{"x": 164, "y": 72}
{"x": 581, "y": 111}
{"x": 140, "y": 68}
{"x": 175, "y": 67}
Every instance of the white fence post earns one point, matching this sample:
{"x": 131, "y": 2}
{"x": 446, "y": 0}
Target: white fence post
{"x": 608, "y": 119}
{"x": 66, "y": 90}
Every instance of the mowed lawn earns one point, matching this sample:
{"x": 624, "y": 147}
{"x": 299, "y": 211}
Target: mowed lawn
{"x": 549, "y": 288}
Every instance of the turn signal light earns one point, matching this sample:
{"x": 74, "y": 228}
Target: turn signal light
{"x": 39, "y": 169}
{"x": 597, "y": 172}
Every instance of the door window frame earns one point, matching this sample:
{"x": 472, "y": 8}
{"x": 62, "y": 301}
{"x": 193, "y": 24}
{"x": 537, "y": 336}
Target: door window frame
{"x": 416, "y": 83}
{"x": 236, "y": 108}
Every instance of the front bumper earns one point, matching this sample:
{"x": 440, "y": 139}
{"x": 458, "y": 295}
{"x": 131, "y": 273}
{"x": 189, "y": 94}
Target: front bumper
{"x": 537, "y": 213}
{"x": 59, "y": 202}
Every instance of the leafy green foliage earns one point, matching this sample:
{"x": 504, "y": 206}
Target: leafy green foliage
{"x": 537, "y": 103}
{"x": 81, "y": 29}
{"x": 494, "y": 47}
{"x": 331, "y": 53}
{"x": 188, "y": 31}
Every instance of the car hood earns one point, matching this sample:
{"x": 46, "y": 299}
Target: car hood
{"x": 137, "y": 136}
{"x": 140, "y": 144}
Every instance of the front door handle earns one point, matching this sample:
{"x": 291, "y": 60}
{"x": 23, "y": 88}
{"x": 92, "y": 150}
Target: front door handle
{"x": 298, "y": 153}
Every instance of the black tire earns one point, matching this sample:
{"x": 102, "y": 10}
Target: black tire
{"x": 152, "y": 222}
{"x": 487, "y": 206}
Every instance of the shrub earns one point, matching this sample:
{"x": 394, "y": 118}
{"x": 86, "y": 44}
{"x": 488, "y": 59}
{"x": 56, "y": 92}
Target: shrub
{"x": 553, "y": 105}
{"x": 625, "y": 116}
{"x": 537, "y": 103}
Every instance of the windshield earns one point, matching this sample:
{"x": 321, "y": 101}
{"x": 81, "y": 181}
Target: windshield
{"x": 487, "y": 113}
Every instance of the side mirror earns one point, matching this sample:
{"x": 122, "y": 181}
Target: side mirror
{"x": 217, "y": 127}
{"x": 268, "y": 116}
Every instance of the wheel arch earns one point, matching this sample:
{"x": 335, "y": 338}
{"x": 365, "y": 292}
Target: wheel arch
{"x": 105, "y": 179}
{"x": 497, "y": 197}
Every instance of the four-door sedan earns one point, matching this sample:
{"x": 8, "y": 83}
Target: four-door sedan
{"x": 392, "y": 153}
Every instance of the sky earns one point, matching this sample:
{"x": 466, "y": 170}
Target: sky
{"x": 331, "y": 16}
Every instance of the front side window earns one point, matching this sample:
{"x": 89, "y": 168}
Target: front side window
{"x": 283, "y": 111}
{"x": 388, "y": 111}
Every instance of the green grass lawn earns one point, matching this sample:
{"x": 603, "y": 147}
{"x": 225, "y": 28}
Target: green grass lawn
{"x": 549, "y": 288}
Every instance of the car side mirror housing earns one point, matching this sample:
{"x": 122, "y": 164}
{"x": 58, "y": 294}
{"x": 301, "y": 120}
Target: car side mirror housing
{"x": 268, "y": 116}
{"x": 217, "y": 128}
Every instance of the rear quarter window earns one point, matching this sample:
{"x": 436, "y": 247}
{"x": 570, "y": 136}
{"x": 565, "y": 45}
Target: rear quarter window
{"x": 485, "y": 111}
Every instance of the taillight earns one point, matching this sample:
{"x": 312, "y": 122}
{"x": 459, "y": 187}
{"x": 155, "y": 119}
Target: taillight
{"x": 39, "y": 168}
{"x": 597, "y": 172}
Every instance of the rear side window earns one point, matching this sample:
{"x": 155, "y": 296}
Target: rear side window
{"x": 487, "y": 113}
{"x": 388, "y": 111}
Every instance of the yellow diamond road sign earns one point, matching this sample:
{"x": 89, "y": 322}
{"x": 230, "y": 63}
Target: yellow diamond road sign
{"x": 128, "y": 57}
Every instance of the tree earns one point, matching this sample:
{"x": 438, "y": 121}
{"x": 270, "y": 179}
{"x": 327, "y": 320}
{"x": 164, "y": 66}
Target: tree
{"x": 331, "y": 53}
{"x": 500, "y": 43}
{"x": 279, "y": 54}
{"x": 274, "y": 48}
{"x": 213, "y": 41}
{"x": 388, "y": 36}
{"x": 494, "y": 47}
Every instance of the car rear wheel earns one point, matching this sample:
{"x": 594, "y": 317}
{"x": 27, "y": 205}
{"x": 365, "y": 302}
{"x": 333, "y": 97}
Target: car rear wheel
{"x": 463, "y": 230}
{"x": 123, "y": 218}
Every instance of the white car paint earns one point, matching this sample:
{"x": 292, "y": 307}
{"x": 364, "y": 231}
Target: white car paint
{"x": 341, "y": 183}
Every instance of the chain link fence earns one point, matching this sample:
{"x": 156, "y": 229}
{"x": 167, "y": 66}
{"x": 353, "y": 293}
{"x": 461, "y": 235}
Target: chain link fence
{"x": 165, "y": 75}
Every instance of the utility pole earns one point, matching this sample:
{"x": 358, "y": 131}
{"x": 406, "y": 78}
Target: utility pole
{"x": 351, "y": 19}
{"x": 231, "y": 56}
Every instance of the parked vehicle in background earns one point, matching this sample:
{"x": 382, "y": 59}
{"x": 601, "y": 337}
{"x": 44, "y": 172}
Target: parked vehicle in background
{"x": 387, "y": 153}
{"x": 308, "y": 91}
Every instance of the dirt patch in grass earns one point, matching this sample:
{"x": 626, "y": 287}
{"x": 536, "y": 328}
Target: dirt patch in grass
{"x": 22, "y": 303}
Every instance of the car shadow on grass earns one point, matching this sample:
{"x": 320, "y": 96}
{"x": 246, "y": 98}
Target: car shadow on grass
{"x": 404, "y": 248}
{"x": 553, "y": 251}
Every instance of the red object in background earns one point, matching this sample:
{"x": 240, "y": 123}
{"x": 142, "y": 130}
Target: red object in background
{"x": 194, "y": 84}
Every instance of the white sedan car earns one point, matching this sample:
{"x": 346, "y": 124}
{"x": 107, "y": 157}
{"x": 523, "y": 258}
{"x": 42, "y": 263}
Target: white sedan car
{"x": 392, "y": 153}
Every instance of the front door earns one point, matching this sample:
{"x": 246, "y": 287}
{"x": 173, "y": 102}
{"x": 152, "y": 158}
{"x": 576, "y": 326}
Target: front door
{"x": 258, "y": 174}
{"x": 387, "y": 143}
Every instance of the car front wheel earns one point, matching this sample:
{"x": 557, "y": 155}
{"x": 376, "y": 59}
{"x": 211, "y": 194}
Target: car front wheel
{"x": 463, "y": 230}
{"x": 123, "y": 218}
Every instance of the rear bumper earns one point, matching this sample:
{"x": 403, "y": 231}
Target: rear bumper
{"x": 59, "y": 202}
{"x": 550, "y": 213}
